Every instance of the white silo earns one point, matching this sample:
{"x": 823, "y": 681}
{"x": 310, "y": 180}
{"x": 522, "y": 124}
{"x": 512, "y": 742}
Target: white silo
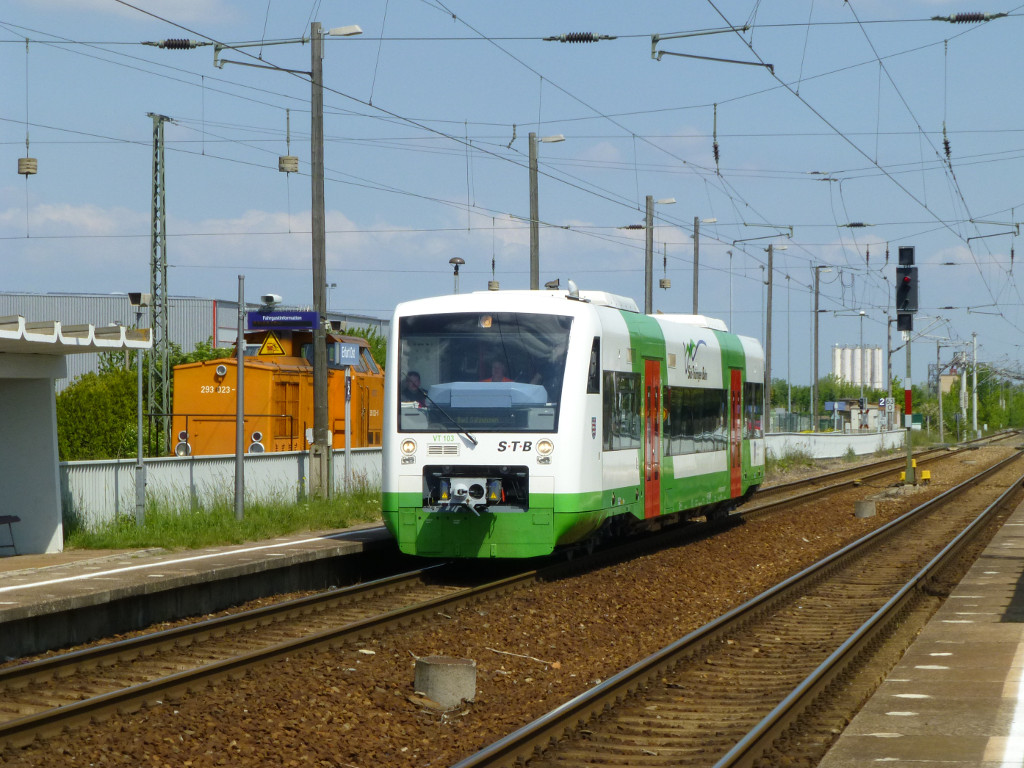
{"x": 847, "y": 369}
{"x": 837, "y": 361}
{"x": 858, "y": 369}
{"x": 879, "y": 370}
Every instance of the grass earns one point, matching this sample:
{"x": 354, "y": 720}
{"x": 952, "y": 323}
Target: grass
{"x": 170, "y": 526}
{"x": 791, "y": 459}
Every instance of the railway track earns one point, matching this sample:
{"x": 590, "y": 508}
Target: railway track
{"x": 723, "y": 694}
{"x": 40, "y": 698}
{"x": 808, "y": 488}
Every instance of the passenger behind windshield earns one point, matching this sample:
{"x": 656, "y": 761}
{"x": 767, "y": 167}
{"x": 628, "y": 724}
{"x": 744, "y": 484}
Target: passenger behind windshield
{"x": 412, "y": 392}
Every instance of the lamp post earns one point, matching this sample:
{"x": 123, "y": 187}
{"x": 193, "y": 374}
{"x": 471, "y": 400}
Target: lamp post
{"x": 861, "y": 353}
{"x": 319, "y": 475}
{"x": 696, "y": 255}
{"x": 768, "y": 338}
{"x": 814, "y": 382}
{"x": 139, "y": 300}
{"x": 789, "y": 381}
{"x": 649, "y": 252}
{"x": 455, "y": 261}
{"x": 731, "y": 329}
{"x": 534, "y": 214}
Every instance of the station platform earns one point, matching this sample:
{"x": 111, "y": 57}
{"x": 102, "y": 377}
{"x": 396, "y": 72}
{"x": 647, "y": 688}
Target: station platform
{"x": 54, "y": 600}
{"x": 956, "y": 698}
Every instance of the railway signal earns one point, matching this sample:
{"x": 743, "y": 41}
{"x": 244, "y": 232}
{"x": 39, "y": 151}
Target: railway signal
{"x": 906, "y": 308}
{"x": 906, "y": 289}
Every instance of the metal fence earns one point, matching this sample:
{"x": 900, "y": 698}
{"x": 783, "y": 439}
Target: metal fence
{"x": 94, "y": 492}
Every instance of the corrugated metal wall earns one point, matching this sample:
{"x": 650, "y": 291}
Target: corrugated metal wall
{"x": 191, "y": 319}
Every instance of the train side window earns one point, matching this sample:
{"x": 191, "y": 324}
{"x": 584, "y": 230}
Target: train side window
{"x": 695, "y": 420}
{"x": 594, "y": 373}
{"x": 753, "y": 407}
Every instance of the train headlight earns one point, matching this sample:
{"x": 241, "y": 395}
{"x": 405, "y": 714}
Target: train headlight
{"x": 545, "y": 447}
{"x": 408, "y": 446}
{"x": 183, "y": 449}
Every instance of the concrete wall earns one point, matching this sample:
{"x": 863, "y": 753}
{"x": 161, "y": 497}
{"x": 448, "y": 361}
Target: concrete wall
{"x": 29, "y": 479}
{"x": 98, "y": 491}
{"x": 832, "y": 445}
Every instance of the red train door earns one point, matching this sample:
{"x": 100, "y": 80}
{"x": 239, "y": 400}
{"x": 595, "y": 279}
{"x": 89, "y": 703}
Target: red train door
{"x": 652, "y": 438}
{"x": 735, "y": 434}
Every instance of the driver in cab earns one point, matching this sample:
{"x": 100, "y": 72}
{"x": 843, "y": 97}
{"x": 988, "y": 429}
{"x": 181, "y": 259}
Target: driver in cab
{"x": 498, "y": 372}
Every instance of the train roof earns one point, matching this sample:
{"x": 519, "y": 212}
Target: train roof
{"x": 701, "y": 321}
{"x": 524, "y": 299}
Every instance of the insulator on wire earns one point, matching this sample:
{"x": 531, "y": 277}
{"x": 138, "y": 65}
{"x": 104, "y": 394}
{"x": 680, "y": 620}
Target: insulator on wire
{"x": 178, "y": 43}
{"x": 945, "y": 141}
{"x": 579, "y": 37}
{"x": 971, "y": 17}
{"x": 714, "y": 143}
{"x": 633, "y": 226}
{"x": 867, "y": 255}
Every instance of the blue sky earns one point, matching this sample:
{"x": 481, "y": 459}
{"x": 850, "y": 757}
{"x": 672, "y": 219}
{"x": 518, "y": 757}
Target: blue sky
{"x": 426, "y": 122}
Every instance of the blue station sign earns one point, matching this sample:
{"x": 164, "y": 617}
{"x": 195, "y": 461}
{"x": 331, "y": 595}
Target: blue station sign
{"x": 281, "y": 319}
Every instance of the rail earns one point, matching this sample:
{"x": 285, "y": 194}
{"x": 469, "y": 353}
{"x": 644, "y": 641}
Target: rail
{"x": 520, "y": 746}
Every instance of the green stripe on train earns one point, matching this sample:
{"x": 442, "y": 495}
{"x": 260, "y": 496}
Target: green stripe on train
{"x": 553, "y": 519}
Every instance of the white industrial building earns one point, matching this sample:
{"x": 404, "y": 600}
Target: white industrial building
{"x": 859, "y": 365}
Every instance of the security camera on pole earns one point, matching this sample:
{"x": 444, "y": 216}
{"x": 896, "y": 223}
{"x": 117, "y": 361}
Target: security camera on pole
{"x": 906, "y": 308}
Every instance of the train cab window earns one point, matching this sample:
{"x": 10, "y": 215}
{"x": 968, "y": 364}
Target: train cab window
{"x": 368, "y": 362}
{"x": 456, "y": 357}
{"x": 339, "y": 356}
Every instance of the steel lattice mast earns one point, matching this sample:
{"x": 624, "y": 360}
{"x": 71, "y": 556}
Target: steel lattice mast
{"x": 158, "y": 399}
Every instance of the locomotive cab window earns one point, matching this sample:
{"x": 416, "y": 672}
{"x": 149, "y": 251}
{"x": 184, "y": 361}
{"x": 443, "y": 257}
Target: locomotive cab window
{"x": 499, "y": 371}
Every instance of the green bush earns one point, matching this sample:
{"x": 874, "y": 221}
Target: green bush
{"x": 96, "y": 416}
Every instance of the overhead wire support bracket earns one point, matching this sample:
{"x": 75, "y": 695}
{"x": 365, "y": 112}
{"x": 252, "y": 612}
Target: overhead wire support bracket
{"x": 656, "y": 54}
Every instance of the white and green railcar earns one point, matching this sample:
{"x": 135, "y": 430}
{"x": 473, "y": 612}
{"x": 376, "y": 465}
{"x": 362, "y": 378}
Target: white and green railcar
{"x": 518, "y": 422}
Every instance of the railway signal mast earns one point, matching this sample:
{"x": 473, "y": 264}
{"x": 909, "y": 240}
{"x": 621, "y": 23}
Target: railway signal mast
{"x": 906, "y": 308}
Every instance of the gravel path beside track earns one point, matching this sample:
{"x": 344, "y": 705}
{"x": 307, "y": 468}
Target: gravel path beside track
{"x": 356, "y": 707}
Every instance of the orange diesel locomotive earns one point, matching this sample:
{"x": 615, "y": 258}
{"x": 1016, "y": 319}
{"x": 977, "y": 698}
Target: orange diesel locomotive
{"x": 278, "y": 395}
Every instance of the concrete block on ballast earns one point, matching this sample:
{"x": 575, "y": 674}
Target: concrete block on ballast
{"x": 446, "y": 680}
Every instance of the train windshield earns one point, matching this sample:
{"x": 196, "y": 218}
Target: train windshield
{"x": 484, "y": 372}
